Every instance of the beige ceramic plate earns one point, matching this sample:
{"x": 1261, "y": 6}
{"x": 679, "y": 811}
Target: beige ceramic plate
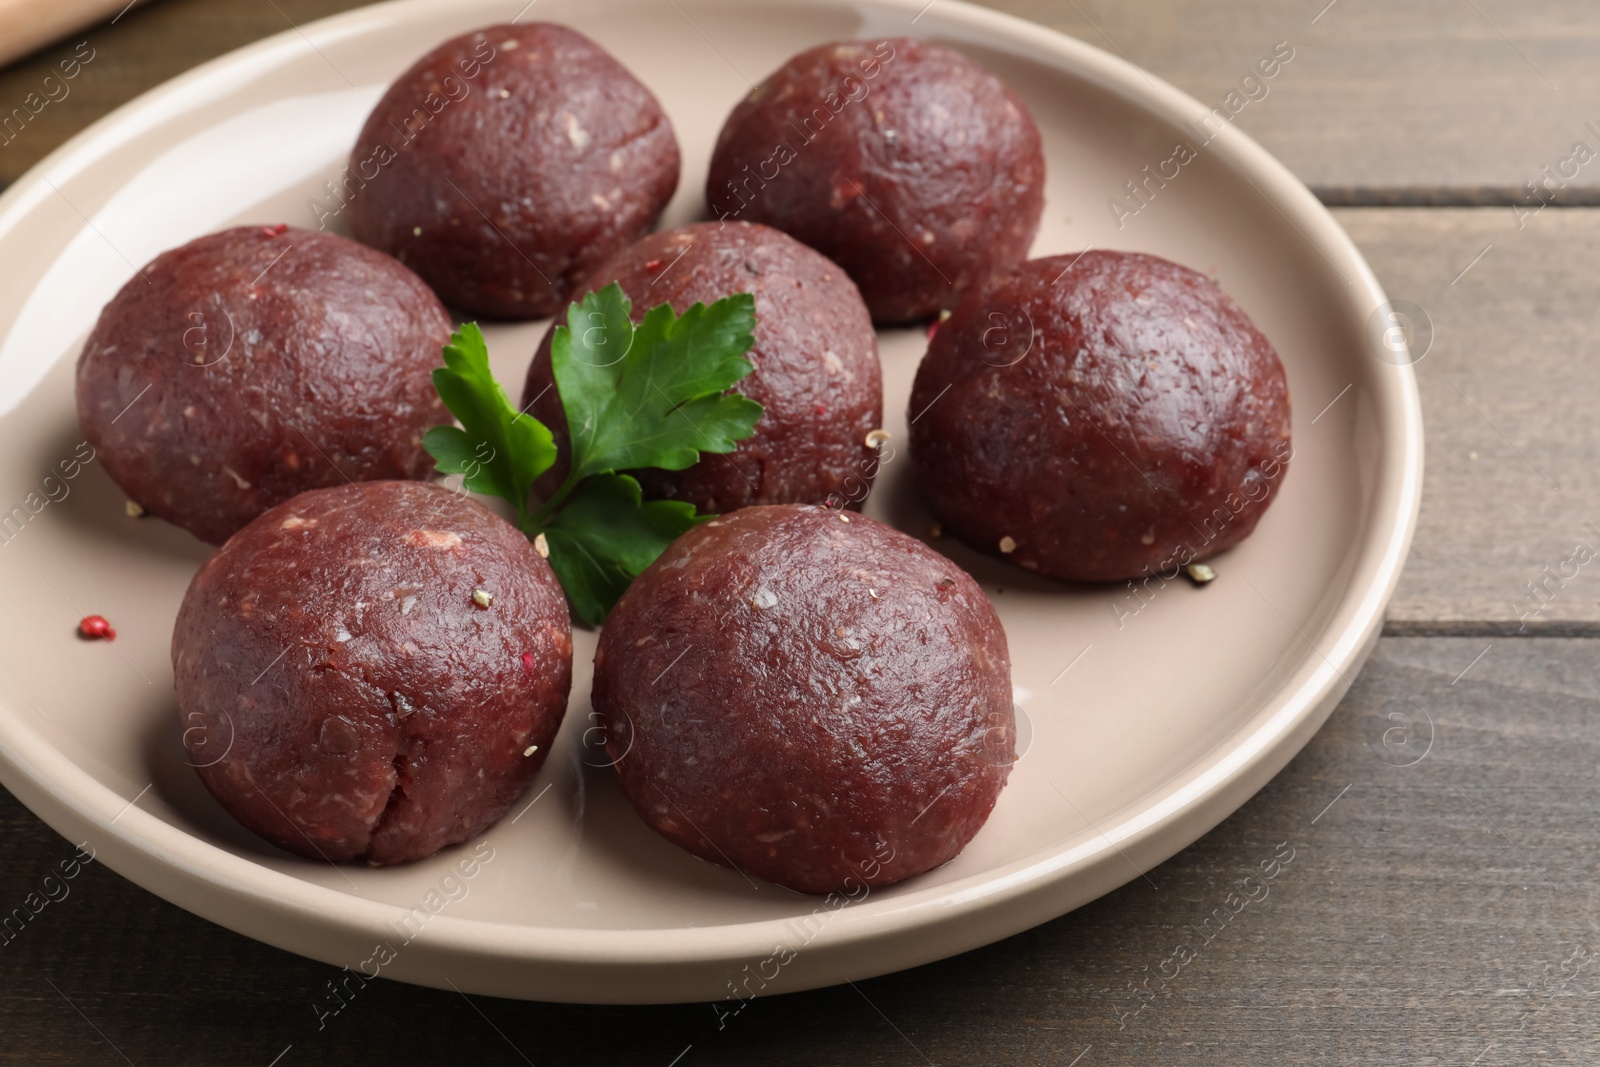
{"x": 1147, "y": 725}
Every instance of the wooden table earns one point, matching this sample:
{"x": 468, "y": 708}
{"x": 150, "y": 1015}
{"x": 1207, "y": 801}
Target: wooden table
{"x": 1441, "y": 912}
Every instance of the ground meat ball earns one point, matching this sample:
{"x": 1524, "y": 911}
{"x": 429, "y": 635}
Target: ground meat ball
{"x": 807, "y": 696}
{"x": 1098, "y": 417}
{"x": 816, "y": 373}
{"x": 256, "y": 363}
{"x": 342, "y": 692}
{"x": 909, "y": 165}
{"x": 507, "y": 163}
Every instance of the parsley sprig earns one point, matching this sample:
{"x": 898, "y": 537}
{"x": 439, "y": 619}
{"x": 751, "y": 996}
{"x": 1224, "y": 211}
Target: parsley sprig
{"x": 652, "y": 395}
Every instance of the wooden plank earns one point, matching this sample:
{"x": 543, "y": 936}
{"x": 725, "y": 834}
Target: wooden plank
{"x": 1509, "y": 389}
{"x": 1424, "y": 101}
{"x": 1418, "y": 101}
{"x": 149, "y": 45}
{"x": 28, "y": 25}
{"x": 1434, "y": 901}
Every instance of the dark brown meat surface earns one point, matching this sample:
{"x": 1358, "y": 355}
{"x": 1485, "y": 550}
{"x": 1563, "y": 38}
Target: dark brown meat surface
{"x": 253, "y": 364}
{"x": 507, "y": 163}
{"x": 1100, "y": 417}
{"x": 343, "y": 694}
{"x": 808, "y": 696}
{"x": 908, "y": 164}
{"x": 816, "y": 373}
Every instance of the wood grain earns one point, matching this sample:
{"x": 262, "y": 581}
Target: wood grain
{"x": 1424, "y": 917}
{"x": 1384, "y": 99}
{"x": 1511, "y": 494}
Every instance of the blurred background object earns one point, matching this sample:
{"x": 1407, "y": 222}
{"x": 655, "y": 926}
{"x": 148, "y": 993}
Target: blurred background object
{"x": 50, "y": 90}
{"x": 27, "y": 25}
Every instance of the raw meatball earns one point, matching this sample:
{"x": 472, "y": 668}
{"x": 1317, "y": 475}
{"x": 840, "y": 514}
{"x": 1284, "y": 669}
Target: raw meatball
{"x": 256, "y": 363}
{"x": 807, "y": 696}
{"x": 373, "y": 671}
{"x": 816, "y": 366}
{"x": 909, "y": 165}
{"x": 507, "y": 163}
{"x": 1099, "y": 417}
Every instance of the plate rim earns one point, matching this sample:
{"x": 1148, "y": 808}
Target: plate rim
{"x": 144, "y": 847}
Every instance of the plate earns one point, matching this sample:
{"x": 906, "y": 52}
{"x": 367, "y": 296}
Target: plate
{"x": 1149, "y": 714}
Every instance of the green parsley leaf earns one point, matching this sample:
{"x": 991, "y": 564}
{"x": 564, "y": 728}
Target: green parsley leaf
{"x": 606, "y": 536}
{"x": 655, "y": 395}
{"x": 499, "y": 451}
